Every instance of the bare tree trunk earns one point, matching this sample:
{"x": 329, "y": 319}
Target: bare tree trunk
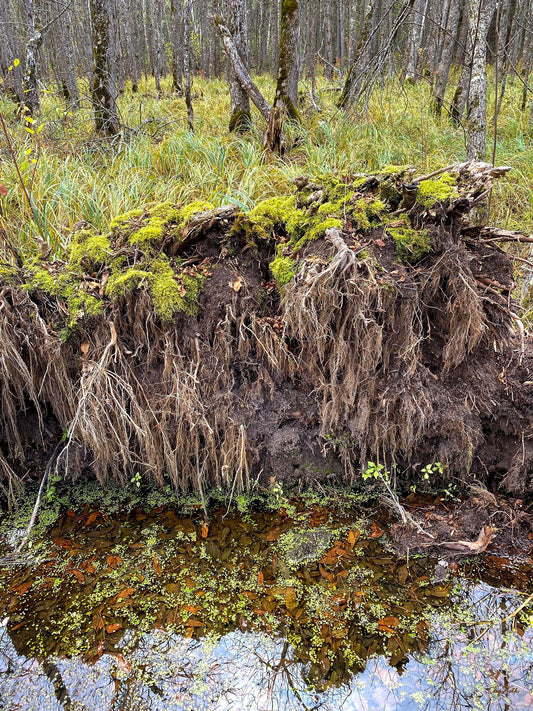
{"x": 286, "y": 99}
{"x": 177, "y": 58}
{"x": 241, "y": 71}
{"x": 187, "y": 18}
{"x": 103, "y": 92}
{"x": 448, "y": 50}
{"x": 415, "y": 35}
{"x": 241, "y": 118}
{"x": 354, "y": 75}
{"x": 32, "y": 99}
{"x": 480, "y": 16}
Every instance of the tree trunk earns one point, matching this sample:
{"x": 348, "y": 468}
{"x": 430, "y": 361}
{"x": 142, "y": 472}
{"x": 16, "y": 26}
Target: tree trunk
{"x": 177, "y": 57}
{"x": 241, "y": 118}
{"x": 103, "y": 92}
{"x": 32, "y": 100}
{"x": 187, "y": 18}
{"x": 480, "y": 16}
{"x": 415, "y": 35}
{"x": 286, "y": 99}
{"x": 448, "y": 50}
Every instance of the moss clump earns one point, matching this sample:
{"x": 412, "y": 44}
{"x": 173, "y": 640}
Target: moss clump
{"x": 120, "y": 282}
{"x": 88, "y": 251}
{"x": 67, "y": 288}
{"x": 368, "y": 213}
{"x": 411, "y": 245}
{"x": 282, "y": 268}
{"x": 441, "y": 189}
{"x": 157, "y": 222}
{"x": 172, "y": 292}
{"x": 8, "y": 274}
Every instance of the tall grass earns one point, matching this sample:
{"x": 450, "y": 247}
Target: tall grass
{"x": 80, "y": 177}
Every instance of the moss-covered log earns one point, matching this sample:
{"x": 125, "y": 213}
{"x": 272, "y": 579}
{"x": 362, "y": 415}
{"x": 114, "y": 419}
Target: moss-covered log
{"x": 360, "y": 318}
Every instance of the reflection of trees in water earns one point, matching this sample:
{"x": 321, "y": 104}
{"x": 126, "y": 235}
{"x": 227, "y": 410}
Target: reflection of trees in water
{"x": 486, "y": 665}
{"x": 256, "y": 672}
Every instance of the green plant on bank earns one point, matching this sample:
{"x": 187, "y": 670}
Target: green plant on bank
{"x": 160, "y": 160}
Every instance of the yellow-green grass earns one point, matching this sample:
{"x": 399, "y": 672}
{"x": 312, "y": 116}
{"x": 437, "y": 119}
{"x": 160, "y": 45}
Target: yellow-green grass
{"x": 77, "y": 176}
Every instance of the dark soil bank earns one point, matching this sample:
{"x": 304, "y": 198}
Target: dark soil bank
{"x": 363, "y": 318}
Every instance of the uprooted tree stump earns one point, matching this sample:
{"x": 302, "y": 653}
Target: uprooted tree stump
{"x": 361, "y": 318}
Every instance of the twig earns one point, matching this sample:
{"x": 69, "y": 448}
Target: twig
{"x": 39, "y": 496}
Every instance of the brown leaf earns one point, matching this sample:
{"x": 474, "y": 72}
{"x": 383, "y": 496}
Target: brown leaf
{"x": 21, "y": 589}
{"x": 403, "y": 574}
{"x": 291, "y": 601}
{"x": 122, "y": 664}
{"x": 260, "y": 578}
{"x": 193, "y": 623}
{"x": 84, "y": 347}
{"x": 125, "y": 593}
{"x": 113, "y": 561}
{"x": 205, "y": 530}
{"x": 273, "y": 535}
{"x": 17, "y": 627}
{"x": 379, "y": 242}
{"x": 353, "y": 537}
{"x": 237, "y": 285}
{"x": 113, "y": 628}
{"x": 91, "y": 518}
{"x": 388, "y": 624}
{"x": 3, "y": 190}
{"x": 98, "y": 622}
{"x": 376, "y": 531}
{"x": 156, "y": 566}
{"x": 78, "y": 575}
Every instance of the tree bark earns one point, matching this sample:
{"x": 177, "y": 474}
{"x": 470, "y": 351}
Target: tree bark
{"x": 187, "y": 18}
{"x": 241, "y": 118}
{"x": 32, "y": 100}
{"x": 286, "y": 99}
{"x": 448, "y": 50}
{"x": 480, "y": 17}
{"x": 103, "y": 92}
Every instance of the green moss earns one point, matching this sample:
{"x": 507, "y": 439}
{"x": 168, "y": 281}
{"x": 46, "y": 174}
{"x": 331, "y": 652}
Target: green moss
{"x": 88, "y": 251}
{"x": 8, "y": 273}
{"x": 368, "y": 212}
{"x": 158, "y": 221}
{"x": 277, "y": 212}
{"x": 121, "y": 282}
{"x": 282, "y": 269}
{"x": 173, "y": 292}
{"x": 441, "y": 189}
{"x": 411, "y": 245}
{"x": 319, "y": 229}
{"x": 68, "y": 289}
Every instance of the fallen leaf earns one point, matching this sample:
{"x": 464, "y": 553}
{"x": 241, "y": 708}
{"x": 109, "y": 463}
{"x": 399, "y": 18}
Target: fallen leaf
{"x": 237, "y": 285}
{"x": 98, "y": 622}
{"x": 193, "y": 623}
{"x": 3, "y": 190}
{"x": 353, "y": 537}
{"x": 100, "y": 650}
{"x": 123, "y": 664}
{"x": 403, "y": 574}
{"x": 379, "y": 242}
{"x": 191, "y": 608}
{"x": 125, "y": 593}
{"x": 91, "y": 518}
{"x": 113, "y": 561}
{"x": 273, "y": 535}
{"x": 113, "y": 628}
{"x": 388, "y": 624}
{"x": 376, "y": 531}
{"x": 291, "y": 601}
{"x": 78, "y": 575}
{"x": 156, "y": 566}
{"x": 260, "y": 578}
{"x": 21, "y": 589}
{"x": 205, "y": 530}
{"x": 84, "y": 347}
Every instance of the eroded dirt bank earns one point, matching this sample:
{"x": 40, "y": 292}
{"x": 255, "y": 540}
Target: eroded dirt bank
{"x": 362, "y": 318}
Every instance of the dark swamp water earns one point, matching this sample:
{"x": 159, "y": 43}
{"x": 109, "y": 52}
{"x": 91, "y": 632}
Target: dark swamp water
{"x": 288, "y": 609}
